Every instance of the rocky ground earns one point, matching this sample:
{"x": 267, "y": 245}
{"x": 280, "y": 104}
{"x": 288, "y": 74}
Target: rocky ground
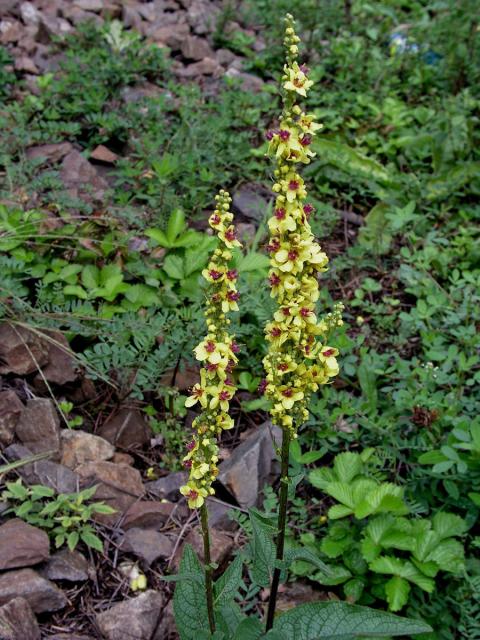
{"x": 83, "y": 594}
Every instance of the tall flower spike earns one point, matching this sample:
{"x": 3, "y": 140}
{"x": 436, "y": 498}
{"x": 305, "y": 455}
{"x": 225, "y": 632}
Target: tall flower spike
{"x": 299, "y": 358}
{"x": 218, "y": 354}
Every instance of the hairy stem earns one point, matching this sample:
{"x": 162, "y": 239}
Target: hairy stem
{"x": 282, "y": 522}
{"x": 208, "y": 566}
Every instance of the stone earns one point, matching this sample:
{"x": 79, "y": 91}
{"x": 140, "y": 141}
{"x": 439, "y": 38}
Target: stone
{"x": 49, "y": 152}
{"x": 246, "y": 232}
{"x": 140, "y": 91}
{"x": 18, "y": 622}
{"x": 70, "y": 636}
{"x": 166, "y": 626}
{"x": 11, "y": 31}
{"x": 202, "y": 16}
{"x": 11, "y": 408}
{"x": 221, "y": 545}
{"x": 183, "y": 378}
{"x": 102, "y": 154}
{"x": 119, "y": 486}
{"x": 247, "y": 81}
{"x": 218, "y": 516}
{"x": 168, "y": 487}
{"x": 79, "y": 447}
{"x": 77, "y": 15}
{"x": 30, "y": 14}
{"x": 22, "y": 545}
{"x": 171, "y": 36}
{"x": 89, "y": 5}
{"x": 81, "y": 178}
{"x": 145, "y": 514}
{"x": 225, "y": 56}
{"x": 24, "y": 63}
{"x": 61, "y": 363}
{"x": 42, "y": 595}
{"x": 147, "y": 544}
{"x": 135, "y": 618}
{"x": 195, "y": 48}
{"x": 123, "y": 458}
{"x": 248, "y": 202}
{"x": 206, "y": 67}
{"x": 126, "y": 429}
{"x": 46, "y": 472}
{"x": 38, "y": 428}
{"x": 66, "y": 565}
{"x": 21, "y": 351}
{"x": 250, "y": 466}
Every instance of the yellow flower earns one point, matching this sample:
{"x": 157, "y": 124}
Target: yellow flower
{"x": 194, "y": 494}
{"x": 297, "y": 80}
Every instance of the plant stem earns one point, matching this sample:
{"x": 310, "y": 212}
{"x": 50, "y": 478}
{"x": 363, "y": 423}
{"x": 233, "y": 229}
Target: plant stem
{"x": 282, "y": 521}
{"x": 208, "y": 566}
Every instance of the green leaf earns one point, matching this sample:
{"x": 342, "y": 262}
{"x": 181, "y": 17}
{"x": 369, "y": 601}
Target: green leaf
{"x": 353, "y": 589}
{"x": 431, "y": 457}
{"x": 17, "y": 490}
{"x": 189, "y": 601}
{"x": 175, "y": 224}
{"x": 443, "y": 185}
{"x": 263, "y": 551}
{"x": 173, "y": 265}
{"x": 397, "y": 590}
{"x": 347, "y": 465}
{"x": 292, "y": 555}
{"x": 249, "y": 629}
{"x": 339, "y": 511}
{"x": 342, "y": 492}
{"x": 447, "y": 525}
{"x": 227, "y": 586}
{"x": 92, "y": 540}
{"x": 341, "y": 621}
{"x": 159, "y": 237}
{"x": 90, "y": 276}
{"x": 72, "y": 540}
{"x": 75, "y": 290}
{"x": 253, "y": 261}
{"x": 403, "y": 569}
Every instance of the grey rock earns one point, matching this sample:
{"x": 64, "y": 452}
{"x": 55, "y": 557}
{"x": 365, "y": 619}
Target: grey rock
{"x": 168, "y": 487}
{"x": 60, "y": 369}
{"x": 21, "y": 351}
{"x": 221, "y": 545}
{"x": 89, "y": 5}
{"x": 135, "y": 618}
{"x": 81, "y": 178}
{"x": 247, "y": 81}
{"x": 171, "y": 36}
{"x": 206, "y": 67}
{"x": 80, "y": 447}
{"x": 195, "y": 48}
{"x": 246, "y": 232}
{"x": 46, "y": 472}
{"x": 250, "y": 466}
{"x": 30, "y": 14}
{"x": 126, "y": 429}
{"x": 225, "y": 56}
{"x": 11, "y": 31}
{"x": 248, "y": 202}
{"x": 147, "y": 544}
{"x": 66, "y": 565}
{"x": 146, "y": 514}
{"x": 39, "y": 427}
{"x": 49, "y": 152}
{"x": 40, "y": 594}
{"x": 22, "y": 545}
{"x": 140, "y": 91}
{"x": 202, "y": 16}
{"x": 11, "y": 407}
{"x": 18, "y": 622}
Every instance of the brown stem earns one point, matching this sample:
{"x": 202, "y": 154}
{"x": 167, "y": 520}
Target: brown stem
{"x": 208, "y": 566}
{"x": 282, "y": 521}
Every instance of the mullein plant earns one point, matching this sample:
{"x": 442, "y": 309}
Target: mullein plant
{"x": 298, "y": 361}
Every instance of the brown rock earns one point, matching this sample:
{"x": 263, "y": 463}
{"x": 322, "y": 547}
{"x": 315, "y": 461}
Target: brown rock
{"x": 11, "y": 408}
{"x": 147, "y": 515}
{"x": 171, "y": 36}
{"x": 225, "y": 56}
{"x": 22, "y": 545}
{"x": 126, "y": 429}
{"x": 45, "y": 472}
{"x": 70, "y": 636}
{"x": 24, "y": 63}
{"x": 166, "y": 625}
{"x": 123, "y": 458}
{"x": 168, "y": 487}
{"x": 185, "y": 377}
{"x": 80, "y": 447}
{"x": 21, "y": 351}
{"x": 206, "y": 67}
{"x": 135, "y": 618}
{"x": 77, "y": 15}
{"x": 81, "y": 178}
{"x": 102, "y": 154}
{"x": 247, "y": 81}
{"x": 66, "y": 565}
{"x": 61, "y": 363}
{"x": 195, "y": 48}
{"x": 249, "y": 467}
{"x": 29, "y": 13}
{"x": 118, "y": 486}
{"x": 140, "y": 91}
{"x": 40, "y": 594}
{"x": 220, "y": 542}
{"x": 249, "y": 202}
{"x": 246, "y": 232}
{"x": 11, "y": 31}
{"x": 49, "y": 152}
{"x": 39, "y": 427}
{"x": 18, "y": 622}
{"x": 89, "y": 5}
{"x": 202, "y": 16}
{"x": 147, "y": 544}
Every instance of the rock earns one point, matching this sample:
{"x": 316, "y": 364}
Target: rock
{"x": 206, "y": 67}
{"x": 45, "y": 472}
{"x": 248, "y": 202}
{"x": 126, "y": 429}
{"x": 135, "y": 618}
{"x": 21, "y": 351}
{"x": 147, "y": 515}
{"x": 40, "y": 594}
{"x": 139, "y": 92}
{"x": 131, "y": 18}
{"x": 11, "y": 31}
{"x": 81, "y": 178}
{"x": 147, "y": 544}
{"x": 118, "y": 486}
{"x": 248, "y": 469}
{"x": 24, "y": 63}
{"x": 185, "y": 376}
{"x": 123, "y": 458}
{"x": 11, "y": 408}
{"x": 70, "y": 636}
{"x": 66, "y": 565}
{"x": 171, "y": 36}
{"x": 77, "y": 15}
{"x": 30, "y": 14}
{"x": 102, "y": 154}
{"x": 18, "y": 622}
{"x": 39, "y": 427}
{"x": 246, "y": 232}
{"x": 22, "y": 545}
{"x": 296, "y": 593}
{"x": 80, "y": 447}
{"x": 89, "y": 5}
{"x": 195, "y": 48}
{"x": 218, "y": 517}
{"x": 49, "y": 152}
{"x": 168, "y": 487}
{"x": 225, "y": 56}
{"x": 61, "y": 363}
{"x": 221, "y": 545}
{"x": 247, "y": 81}
{"x": 202, "y": 16}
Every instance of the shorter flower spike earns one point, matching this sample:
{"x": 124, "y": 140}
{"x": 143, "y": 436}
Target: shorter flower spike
{"x": 218, "y": 354}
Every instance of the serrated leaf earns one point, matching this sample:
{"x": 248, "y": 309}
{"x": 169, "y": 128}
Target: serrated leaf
{"x": 341, "y": 621}
{"x": 447, "y": 525}
{"x": 342, "y": 492}
{"x": 397, "y": 590}
{"x": 91, "y": 540}
{"x": 173, "y": 265}
{"x": 253, "y": 262}
{"x": 263, "y": 551}
{"x": 292, "y": 554}
{"x": 227, "y": 586}
{"x": 321, "y": 478}
{"x": 404, "y": 569}
{"x": 339, "y": 511}
{"x": 347, "y": 465}
{"x": 175, "y": 224}
{"x": 72, "y": 540}
{"x": 189, "y": 600}
{"x": 159, "y": 237}
{"x": 249, "y": 629}
{"x": 431, "y": 457}
{"x": 448, "y": 555}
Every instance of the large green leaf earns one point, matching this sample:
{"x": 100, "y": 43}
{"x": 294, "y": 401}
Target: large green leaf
{"x": 189, "y": 600}
{"x": 263, "y": 550}
{"x": 341, "y": 621}
{"x": 442, "y": 186}
{"x": 347, "y": 465}
{"x": 175, "y": 224}
{"x": 227, "y": 586}
{"x": 397, "y": 590}
{"x": 446, "y": 525}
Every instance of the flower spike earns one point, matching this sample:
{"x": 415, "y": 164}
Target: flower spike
{"x": 218, "y": 354}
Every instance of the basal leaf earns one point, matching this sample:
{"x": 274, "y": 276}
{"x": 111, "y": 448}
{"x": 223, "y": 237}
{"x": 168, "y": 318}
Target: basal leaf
{"x": 189, "y": 601}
